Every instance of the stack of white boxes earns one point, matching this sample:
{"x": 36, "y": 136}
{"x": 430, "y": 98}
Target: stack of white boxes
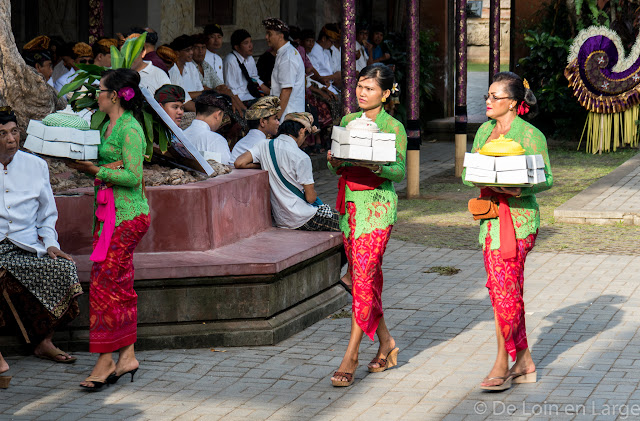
{"x": 504, "y": 170}
{"x": 363, "y": 145}
{"x": 63, "y": 142}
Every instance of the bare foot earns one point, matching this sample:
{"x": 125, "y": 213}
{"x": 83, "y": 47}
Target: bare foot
{"x": 383, "y": 351}
{"x": 347, "y": 279}
{"x": 497, "y": 375}
{"x": 3, "y": 365}
{"x": 524, "y": 364}
{"x": 103, "y": 368}
{"x": 347, "y": 366}
{"x": 125, "y": 365}
{"x": 46, "y": 349}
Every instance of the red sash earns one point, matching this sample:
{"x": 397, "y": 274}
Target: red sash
{"x": 507, "y": 231}
{"x": 358, "y": 179}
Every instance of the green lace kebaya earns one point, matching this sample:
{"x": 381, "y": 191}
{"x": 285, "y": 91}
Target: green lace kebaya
{"x": 126, "y": 143}
{"x": 377, "y": 208}
{"x": 524, "y": 209}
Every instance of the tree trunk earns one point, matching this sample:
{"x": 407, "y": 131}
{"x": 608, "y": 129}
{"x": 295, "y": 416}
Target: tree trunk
{"x": 21, "y": 87}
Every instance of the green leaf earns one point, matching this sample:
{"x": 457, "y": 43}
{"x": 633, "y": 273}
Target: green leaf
{"x": 71, "y": 86}
{"x": 117, "y": 59}
{"x": 132, "y": 49}
{"x": 148, "y": 126}
{"x": 163, "y": 140}
{"x": 98, "y": 119}
{"x": 85, "y": 102}
{"x": 92, "y": 69}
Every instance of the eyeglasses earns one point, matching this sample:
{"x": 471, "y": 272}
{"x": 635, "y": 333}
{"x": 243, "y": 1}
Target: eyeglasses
{"x": 492, "y": 98}
{"x": 99, "y": 91}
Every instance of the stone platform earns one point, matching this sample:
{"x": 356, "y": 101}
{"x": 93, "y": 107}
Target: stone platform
{"x": 613, "y": 199}
{"x": 211, "y": 270}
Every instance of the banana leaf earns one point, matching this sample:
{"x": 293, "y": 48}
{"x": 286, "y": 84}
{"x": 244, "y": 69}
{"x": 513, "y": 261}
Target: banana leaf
{"x": 98, "y": 119}
{"x": 72, "y": 86}
{"x": 163, "y": 140}
{"x": 117, "y": 59}
{"x": 148, "y": 126}
{"x": 132, "y": 49}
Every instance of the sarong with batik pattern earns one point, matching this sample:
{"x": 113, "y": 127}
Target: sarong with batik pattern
{"x": 112, "y": 300}
{"x": 505, "y": 280}
{"x": 365, "y": 265}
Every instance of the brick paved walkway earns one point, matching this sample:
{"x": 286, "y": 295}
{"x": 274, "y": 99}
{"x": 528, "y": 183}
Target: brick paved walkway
{"x": 582, "y": 319}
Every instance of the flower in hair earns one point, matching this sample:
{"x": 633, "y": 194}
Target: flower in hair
{"x": 523, "y": 108}
{"x": 126, "y": 93}
{"x": 395, "y": 88}
{"x": 526, "y": 84}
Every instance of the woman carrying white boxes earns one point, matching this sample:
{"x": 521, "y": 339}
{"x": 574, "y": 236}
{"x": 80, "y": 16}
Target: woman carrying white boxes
{"x": 367, "y": 203}
{"x": 508, "y": 233}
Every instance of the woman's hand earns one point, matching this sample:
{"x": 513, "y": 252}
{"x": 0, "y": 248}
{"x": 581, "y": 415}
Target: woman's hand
{"x": 335, "y": 163}
{"x": 86, "y": 167}
{"x": 512, "y": 191}
{"x": 373, "y": 167}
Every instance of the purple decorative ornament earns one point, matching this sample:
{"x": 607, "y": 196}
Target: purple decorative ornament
{"x": 348, "y": 29}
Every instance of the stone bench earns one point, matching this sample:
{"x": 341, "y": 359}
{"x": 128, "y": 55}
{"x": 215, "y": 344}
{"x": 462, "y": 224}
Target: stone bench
{"x": 212, "y": 270}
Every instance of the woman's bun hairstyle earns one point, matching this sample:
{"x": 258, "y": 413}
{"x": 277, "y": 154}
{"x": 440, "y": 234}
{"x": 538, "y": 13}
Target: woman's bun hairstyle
{"x": 519, "y": 90}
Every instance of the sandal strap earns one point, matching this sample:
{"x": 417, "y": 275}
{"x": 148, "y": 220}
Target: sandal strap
{"x": 380, "y": 361}
{"x": 348, "y": 376}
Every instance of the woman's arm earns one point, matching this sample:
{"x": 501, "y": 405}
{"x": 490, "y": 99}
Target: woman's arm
{"x": 132, "y": 158}
{"x": 479, "y": 139}
{"x": 396, "y": 171}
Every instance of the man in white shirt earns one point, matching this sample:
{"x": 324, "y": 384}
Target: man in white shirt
{"x": 184, "y": 72}
{"x": 102, "y": 51}
{"x": 210, "y": 109}
{"x": 234, "y": 75}
{"x": 83, "y": 54}
{"x": 41, "y": 276}
{"x": 362, "y": 36}
{"x": 320, "y": 58}
{"x": 288, "y": 78}
{"x": 215, "y": 34}
{"x": 293, "y": 193}
{"x": 262, "y": 118}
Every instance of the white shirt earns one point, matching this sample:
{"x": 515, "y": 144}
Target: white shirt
{"x": 216, "y": 62}
{"x": 234, "y": 78}
{"x": 321, "y": 61}
{"x": 288, "y": 72}
{"x": 336, "y": 59}
{"x": 361, "y": 63}
{"x": 252, "y": 138}
{"x": 189, "y": 79}
{"x": 58, "y": 71}
{"x": 201, "y": 136}
{"x": 27, "y": 207}
{"x": 152, "y": 77}
{"x": 64, "y": 79}
{"x": 289, "y": 211}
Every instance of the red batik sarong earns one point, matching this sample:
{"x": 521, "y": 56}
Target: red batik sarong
{"x": 365, "y": 264}
{"x": 505, "y": 279}
{"x": 113, "y": 302}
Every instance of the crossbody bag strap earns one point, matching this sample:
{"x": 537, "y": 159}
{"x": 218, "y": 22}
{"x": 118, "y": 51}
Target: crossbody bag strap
{"x": 244, "y": 70}
{"x": 287, "y": 184}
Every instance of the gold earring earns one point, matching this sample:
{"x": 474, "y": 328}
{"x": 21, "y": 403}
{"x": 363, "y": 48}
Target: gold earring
{"x": 384, "y": 99}
{"x": 114, "y": 100}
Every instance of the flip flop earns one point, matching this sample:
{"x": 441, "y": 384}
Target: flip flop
{"x": 53, "y": 353}
{"x": 525, "y": 377}
{"x": 506, "y": 383}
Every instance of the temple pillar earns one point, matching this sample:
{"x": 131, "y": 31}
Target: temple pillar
{"x": 461, "y": 85}
{"x": 413, "y": 100}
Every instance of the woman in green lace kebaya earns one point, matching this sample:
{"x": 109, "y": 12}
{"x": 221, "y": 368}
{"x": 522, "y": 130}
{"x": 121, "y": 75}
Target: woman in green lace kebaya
{"x": 122, "y": 220}
{"x": 507, "y": 239}
{"x": 367, "y": 204}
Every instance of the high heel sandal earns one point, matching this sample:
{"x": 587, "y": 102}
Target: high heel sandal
{"x": 96, "y": 382}
{"x": 525, "y": 377}
{"x": 113, "y": 378}
{"x": 342, "y": 383}
{"x": 4, "y": 382}
{"x": 384, "y": 363}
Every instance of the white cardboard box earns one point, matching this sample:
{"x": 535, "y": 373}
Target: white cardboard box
{"x": 68, "y": 134}
{"x": 382, "y": 143}
{"x": 535, "y": 161}
{"x": 351, "y": 137}
{"x": 385, "y": 154}
{"x": 476, "y": 160}
{"x": 478, "y": 175}
{"x": 536, "y": 176}
{"x": 364, "y": 153}
{"x": 33, "y": 143}
{"x": 36, "y": 128}
{"x": 513, "y": 177}
{"x": 61, "y": 149}
{"x": 510, "y": 163}
{"x": 388, "y": 137}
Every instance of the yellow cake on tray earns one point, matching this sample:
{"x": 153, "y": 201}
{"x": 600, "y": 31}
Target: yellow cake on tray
{"x": 502, "y": 147}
